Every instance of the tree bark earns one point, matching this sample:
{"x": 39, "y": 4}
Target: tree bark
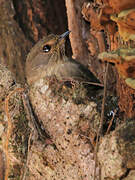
{"x": 13, "y": 44}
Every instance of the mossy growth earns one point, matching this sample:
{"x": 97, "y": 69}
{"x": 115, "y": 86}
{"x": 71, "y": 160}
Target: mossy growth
{"x": 78, "y": 92}
{"x": 18, "y": 143}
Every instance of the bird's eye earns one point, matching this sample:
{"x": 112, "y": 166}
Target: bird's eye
{"x": 46, "y": 48}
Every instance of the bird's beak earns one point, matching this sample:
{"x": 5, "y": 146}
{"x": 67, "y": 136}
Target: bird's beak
{"x": 64, "y": 35}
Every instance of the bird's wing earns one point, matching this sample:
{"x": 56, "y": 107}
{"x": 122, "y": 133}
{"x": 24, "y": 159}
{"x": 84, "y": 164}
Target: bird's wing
{"x": 75, "y": 70}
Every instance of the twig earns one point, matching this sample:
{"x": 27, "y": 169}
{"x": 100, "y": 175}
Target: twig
{"x": 95, "y": 84}
{"x": 99, "y": 133}
{"x": 110, "y": 124}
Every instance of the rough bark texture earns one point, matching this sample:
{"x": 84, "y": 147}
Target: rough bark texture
{"x": 126, "y": 98}
{"x": 102, "y": 17}
{"x": 13, "y": 45}
{"x": 38, "y": 18}
{"x": 78, "y": 35}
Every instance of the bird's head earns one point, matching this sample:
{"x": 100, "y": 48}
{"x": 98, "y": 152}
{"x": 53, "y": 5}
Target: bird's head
{"x": 51, "y": 45}
{"x": 49, "y": 50}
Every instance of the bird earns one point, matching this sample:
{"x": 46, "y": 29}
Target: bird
{"x": 47, "y": 58}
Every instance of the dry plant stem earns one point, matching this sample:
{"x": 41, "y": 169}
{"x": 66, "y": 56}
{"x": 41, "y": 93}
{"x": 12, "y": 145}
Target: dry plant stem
{"x": 110, "y": 124}
{"x": 9, "y": 129}
{"x": 96, "y": 84}
{"x": 99, "y": 133}
{"x": 103, "y": 102}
